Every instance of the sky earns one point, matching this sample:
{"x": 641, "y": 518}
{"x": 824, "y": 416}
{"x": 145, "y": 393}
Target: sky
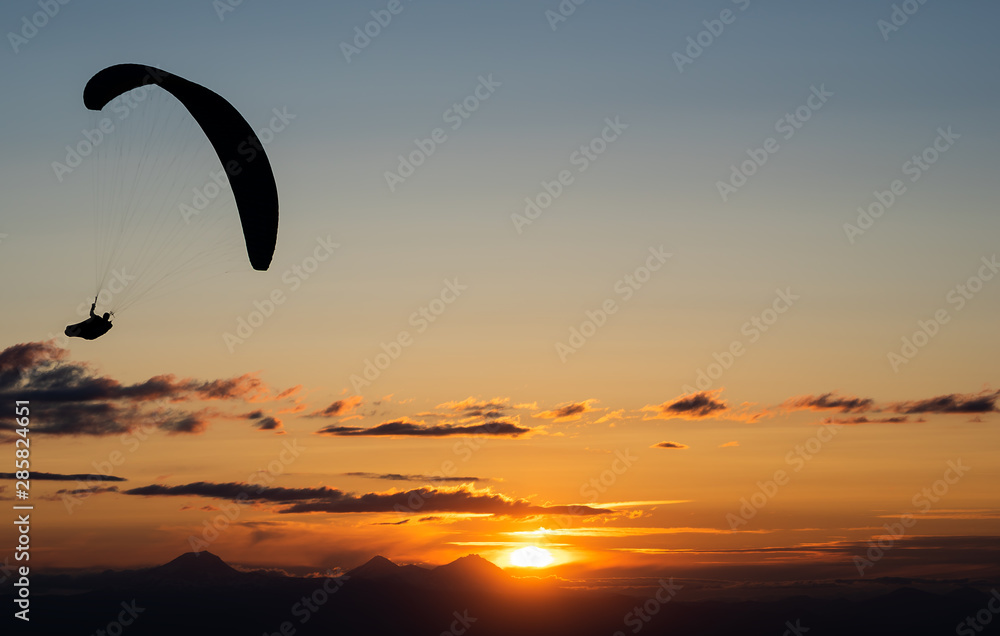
{"x": 652, "y": 255}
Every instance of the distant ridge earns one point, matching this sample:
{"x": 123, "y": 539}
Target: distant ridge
{"x": 197, "y": 567}
{"x": 472, "y": 570}
{"x": 199, "y": 594}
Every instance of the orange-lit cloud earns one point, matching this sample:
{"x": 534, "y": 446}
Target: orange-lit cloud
{"x": 460, "y": 499}
{"x": 84, "y": 477}
{"x": 416, "y": 478}
{"x": 695, "y": 406}
{"x": 568, "y": 411}
{"x": 861, "y": 419}
{"x": 340, "y": 407}
{"x": 406, "y": 428}
{"x": 612, "y": 416}
{"x": 270, "y": 424}
{"x": 984, "y": 402}
{"x": 829, "y": 401}
{"x": 71, "y": 398}
{"x": 670, "y": 445}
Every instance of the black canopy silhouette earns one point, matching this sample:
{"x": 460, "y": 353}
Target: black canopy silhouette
{"x": 240, "y": 151}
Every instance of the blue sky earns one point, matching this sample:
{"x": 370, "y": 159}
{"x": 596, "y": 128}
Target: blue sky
{"x": 657, "y": 185}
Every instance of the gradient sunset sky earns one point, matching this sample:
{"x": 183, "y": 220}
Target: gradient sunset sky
{"x": 632, "y": 465}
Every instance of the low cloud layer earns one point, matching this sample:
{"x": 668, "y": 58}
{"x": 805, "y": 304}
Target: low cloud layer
{"x": 85, "y": 477}
{"x": 407, "y": 428}
{"x": 461, "y": 499}
{"x": 415, "y": 478}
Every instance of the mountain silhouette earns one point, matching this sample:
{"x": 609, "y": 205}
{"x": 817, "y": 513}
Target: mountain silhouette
{"x": 199, "y": 593}
{"x": 196, "y": 566}
{"x": 378, "y": 567}
{"x": 469, "y": 570}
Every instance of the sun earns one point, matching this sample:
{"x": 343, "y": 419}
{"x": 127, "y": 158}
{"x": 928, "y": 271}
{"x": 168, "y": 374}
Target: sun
{"x": 531, "y": 557}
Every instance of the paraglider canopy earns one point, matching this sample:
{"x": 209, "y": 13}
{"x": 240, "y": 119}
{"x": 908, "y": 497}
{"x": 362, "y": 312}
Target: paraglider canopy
{"x": 240, "y": 151}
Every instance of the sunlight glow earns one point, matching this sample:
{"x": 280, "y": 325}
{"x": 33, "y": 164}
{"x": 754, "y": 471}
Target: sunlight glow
{"x": 531, "y": 557}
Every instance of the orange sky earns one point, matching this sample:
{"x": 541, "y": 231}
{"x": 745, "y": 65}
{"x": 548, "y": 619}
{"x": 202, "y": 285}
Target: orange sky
{"x": 692, "y": 484}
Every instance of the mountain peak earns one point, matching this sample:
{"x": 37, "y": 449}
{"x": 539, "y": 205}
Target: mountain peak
{"x": 471, "y": 568}
{"x": 472, "y": 561}
{"x": 197, "y": 566}
{"x": 375, "y": 568}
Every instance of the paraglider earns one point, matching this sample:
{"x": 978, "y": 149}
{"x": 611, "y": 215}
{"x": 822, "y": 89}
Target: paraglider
{"x": 92, "y": 328}
{"x": 162, "y": 252}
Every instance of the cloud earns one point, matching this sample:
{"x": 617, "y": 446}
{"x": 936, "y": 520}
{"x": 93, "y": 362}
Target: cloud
{"x": 474, "y": 407}
{"x": 85, "y": 477}
{"x": 340, "y": 407}
{"x": 270, "y": 424}
{"x": 460, "y": 499}
{"x": 185, "y": 423}
{"x": 407, "y": 428}
{"x": 235, "y": 491}
{"x": 567, "y": 412}
{"x": 670, "y": 445}
{"x": 729, "y": 444}
{"x": 695, "y": 406}
{"x": 984, "y": 402}
{"x": 861, "y": 419}
{"x": 90, "y": 490}
{"x": 417, "y": 478}
{"x": 287, "y": 393}
{"x": 829, "y": 401}
{"x": 71, "y": 398}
